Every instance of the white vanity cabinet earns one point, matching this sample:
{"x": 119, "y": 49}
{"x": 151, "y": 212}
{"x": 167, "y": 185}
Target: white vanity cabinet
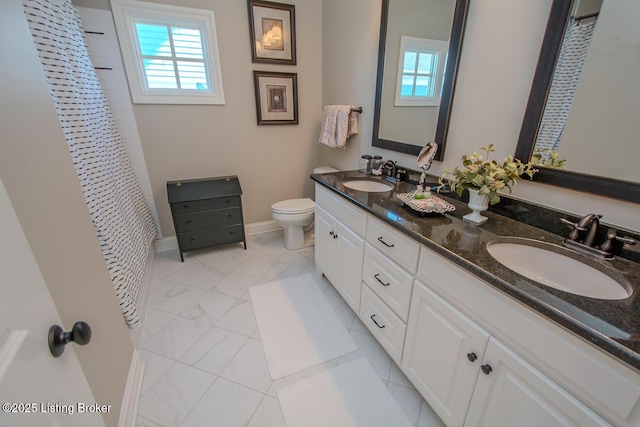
{"x": 478, "y": 356}
{"x": 442, "y": 355}
{"x": 339, "y": 248}
{"x": 511, "y": 392}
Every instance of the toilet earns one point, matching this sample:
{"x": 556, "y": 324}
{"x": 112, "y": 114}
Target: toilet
{"x": 295, "y": 216}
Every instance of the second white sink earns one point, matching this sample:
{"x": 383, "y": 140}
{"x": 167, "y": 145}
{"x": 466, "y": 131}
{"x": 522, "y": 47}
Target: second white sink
{"x": 368, "y": 185}
{"x": 559, "y": 268}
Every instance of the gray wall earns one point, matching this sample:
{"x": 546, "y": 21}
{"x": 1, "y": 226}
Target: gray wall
{"x": 499, "y": 55}
{"x": 37, "y": 171}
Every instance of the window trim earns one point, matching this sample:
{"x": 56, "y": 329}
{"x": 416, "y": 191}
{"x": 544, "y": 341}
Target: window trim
{"x": 414, "y": 44}
{"x": 127, "y": 13}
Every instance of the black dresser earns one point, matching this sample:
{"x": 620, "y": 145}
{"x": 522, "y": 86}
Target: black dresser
{"x": 206, "y": 212}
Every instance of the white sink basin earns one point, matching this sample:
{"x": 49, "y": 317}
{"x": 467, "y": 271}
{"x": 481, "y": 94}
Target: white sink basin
{"x": 367, "y": 185}
{"x": 559, "y": 268}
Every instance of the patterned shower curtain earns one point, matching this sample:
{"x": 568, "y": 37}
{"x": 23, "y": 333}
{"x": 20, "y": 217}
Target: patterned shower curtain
{"x": 121, "y": 217}
{"x": 573, "y": 53}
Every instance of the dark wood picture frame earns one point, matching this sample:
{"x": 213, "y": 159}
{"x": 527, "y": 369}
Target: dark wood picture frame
{"x": 272, "y": 28}
{"x": 276, "y": 97}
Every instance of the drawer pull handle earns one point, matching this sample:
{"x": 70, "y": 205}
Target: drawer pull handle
{"x": 229, "y": 216}
{"x": 486, "y": 369}
{"x": 472, "y": 357}
{"x": 185, "y": 207}
{"x": 189, "y": 221}
{"x": 228, "y": 201}
{"x": 193, "y": 240}
{"x": 231, "y": 233}
{"x": 376, "y": 276}
{"x": 374, "y": 321}
{"x": 384, "y": 243}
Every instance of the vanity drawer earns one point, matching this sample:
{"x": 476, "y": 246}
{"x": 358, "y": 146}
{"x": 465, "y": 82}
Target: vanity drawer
{"x": 205, "y": 205}
{"x": 390, "y": 282}
{"x": 383, "y": 323}
{"x": 393, "y": 244}
{"x": 350, "y": 215}
{"x": 211, "y": 236}
{"x": 208, "y": 219}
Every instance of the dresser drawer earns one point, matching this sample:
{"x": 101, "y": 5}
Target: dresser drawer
{"x": 388, "y": 281}
{"x": 383, "y": 323}
{"x": 211, "y": 236}
{"x": 393, "y": 244}
{"x": 350, "y": 215}
{"x": 208, "y": 219}
{"x": 205, "y": 205}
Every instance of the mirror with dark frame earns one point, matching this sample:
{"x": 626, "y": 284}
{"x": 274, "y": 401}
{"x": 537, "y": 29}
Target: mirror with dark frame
{"x": 419, "y": 51}
{"x": 580, "y": 123}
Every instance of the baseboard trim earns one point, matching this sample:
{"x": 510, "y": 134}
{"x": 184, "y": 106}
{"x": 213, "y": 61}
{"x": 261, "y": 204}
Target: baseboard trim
{"x": 261, "y": 228}
{"x": 132, "y": 392}
{"x": 170, "y": 243}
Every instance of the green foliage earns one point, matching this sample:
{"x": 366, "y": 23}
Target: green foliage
{"x": 487, "y": 176}
{"x": 548, "y": 158}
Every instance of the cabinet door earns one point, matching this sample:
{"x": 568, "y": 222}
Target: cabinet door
{"x": 347, "y": 265}
{"x": 324, "y": 241}
{"x": 442, "y": 354}
{"x": 515, "y": 393}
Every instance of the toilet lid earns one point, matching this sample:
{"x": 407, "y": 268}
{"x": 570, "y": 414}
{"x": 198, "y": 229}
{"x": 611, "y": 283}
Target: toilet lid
{"x": 294, "y": 206}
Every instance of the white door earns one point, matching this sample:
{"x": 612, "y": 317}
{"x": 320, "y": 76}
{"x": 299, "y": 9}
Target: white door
{"x": 36, "y": 389}
{"x": 511, "y": 392}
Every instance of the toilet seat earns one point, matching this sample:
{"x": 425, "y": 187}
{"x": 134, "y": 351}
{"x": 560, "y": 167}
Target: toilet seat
{"x": 294, "y": 206}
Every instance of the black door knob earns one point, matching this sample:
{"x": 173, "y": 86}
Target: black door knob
{"x": 472, "y": 357}
{"x": 486, "y": 369}
{"x": 58, "y": 338}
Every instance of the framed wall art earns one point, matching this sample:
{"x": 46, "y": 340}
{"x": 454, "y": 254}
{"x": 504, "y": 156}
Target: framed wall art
{"x": 273, "y": 33}
{"x": 276, "y": 98}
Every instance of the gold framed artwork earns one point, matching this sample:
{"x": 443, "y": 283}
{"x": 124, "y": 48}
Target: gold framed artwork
{"x": 272, "y": 30}
{"x": 276, "y": 98}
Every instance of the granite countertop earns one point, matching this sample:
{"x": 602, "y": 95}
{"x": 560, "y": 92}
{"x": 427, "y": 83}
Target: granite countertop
{"x": 612, "y": 325}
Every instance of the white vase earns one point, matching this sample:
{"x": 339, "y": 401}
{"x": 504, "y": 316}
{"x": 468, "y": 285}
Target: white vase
{"x": 478, "y": 203}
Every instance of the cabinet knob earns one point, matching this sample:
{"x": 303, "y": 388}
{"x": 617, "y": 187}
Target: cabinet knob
{"x": 228, "y": 201}
{"x": 331, "y": 233}
{"x": 486, "y": 369}
{"x": 192, "y": 240}
{"x": 229, "y": 216}
{"x": 189, "y": 221}
{"x": 185, "y": 207}
{"x": 472, "y": 357}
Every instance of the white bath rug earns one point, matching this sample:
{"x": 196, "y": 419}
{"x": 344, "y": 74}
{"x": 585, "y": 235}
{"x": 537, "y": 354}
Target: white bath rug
{"x": 298, "y": 327}
{"x": 351, "y": 394}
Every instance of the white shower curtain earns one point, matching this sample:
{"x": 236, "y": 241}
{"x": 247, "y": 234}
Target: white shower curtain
{"x": 573, "y": 53}
{"x": 121, "y": 217}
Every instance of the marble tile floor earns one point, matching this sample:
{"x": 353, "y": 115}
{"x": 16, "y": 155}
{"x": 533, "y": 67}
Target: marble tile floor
{"x": 205, "y": 365}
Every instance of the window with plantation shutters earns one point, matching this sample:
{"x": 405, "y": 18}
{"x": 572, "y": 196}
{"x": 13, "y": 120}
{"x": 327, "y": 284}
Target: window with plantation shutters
{"x": 421, "y": 67}
{"x": 170, "y": 53}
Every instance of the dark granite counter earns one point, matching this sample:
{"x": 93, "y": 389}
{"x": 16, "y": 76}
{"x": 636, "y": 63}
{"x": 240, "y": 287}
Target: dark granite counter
{"x": 614, "y": 325}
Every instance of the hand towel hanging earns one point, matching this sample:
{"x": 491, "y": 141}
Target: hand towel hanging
{"x": 339, "y": 122}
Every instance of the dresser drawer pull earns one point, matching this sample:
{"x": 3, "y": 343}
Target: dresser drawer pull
{"x": 231, "y": 233}
{"x": 192, "y": 240}
{"x": 229, "y": 216}
{"x": 228, "y": 201}
{"x": 374, "y": 321}
{"x": 185, "y": 207}
{"x": 376, "y": 276}
{"x": 188, "y": 221}
{"x": 384, "y": 243}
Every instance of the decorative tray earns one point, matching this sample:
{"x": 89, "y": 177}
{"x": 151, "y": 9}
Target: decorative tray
{"x": 430, "y": 204}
